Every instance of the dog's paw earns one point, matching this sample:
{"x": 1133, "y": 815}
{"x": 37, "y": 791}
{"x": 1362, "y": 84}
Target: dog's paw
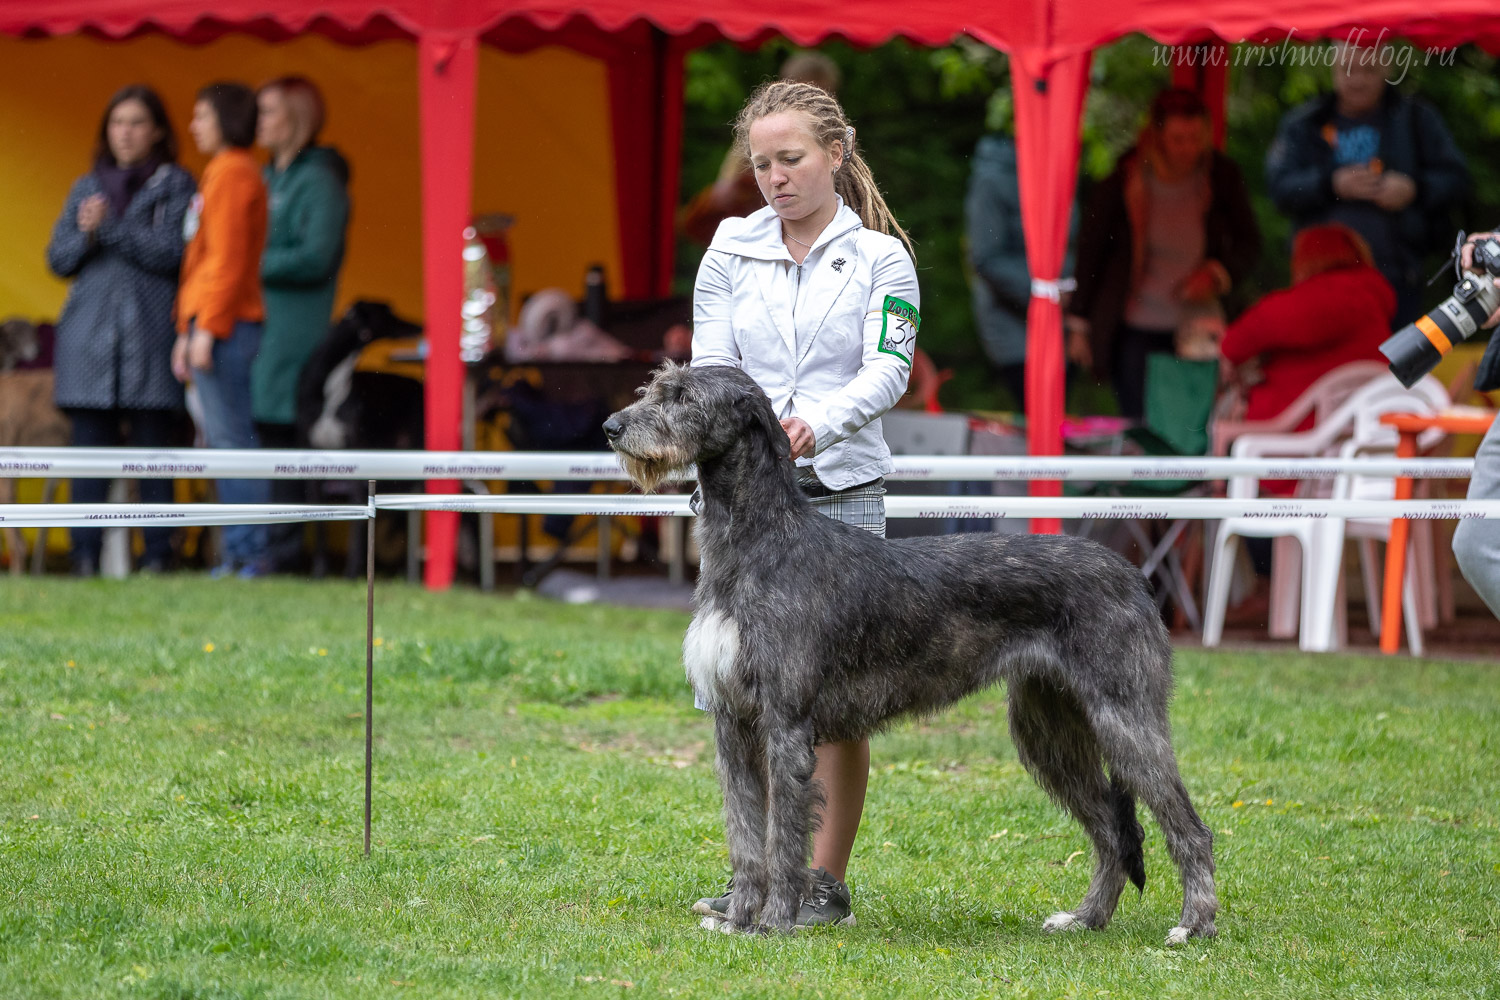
{"x": 1178, "y": 936}
{"x": 1065, "y": 921}
{"x": 729, "y": 927}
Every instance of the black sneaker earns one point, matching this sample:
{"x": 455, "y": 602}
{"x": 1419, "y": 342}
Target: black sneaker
{"x": 715, "y": 906}
{"x": 829, "y": 904}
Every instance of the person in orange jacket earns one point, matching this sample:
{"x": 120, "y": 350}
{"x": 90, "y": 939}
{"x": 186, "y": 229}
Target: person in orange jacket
{"x": 219, "y": 310}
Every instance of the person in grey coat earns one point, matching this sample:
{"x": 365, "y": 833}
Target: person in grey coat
{"x": 1001, "y": 278}
{"x": 119, "y": 239}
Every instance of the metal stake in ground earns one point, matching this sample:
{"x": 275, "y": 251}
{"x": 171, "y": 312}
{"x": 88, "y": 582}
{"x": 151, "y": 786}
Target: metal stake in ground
{"x": 369, "y": 656}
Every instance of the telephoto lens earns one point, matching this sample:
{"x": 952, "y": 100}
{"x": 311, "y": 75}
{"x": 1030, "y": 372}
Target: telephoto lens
{"x": 1415, "y": 349}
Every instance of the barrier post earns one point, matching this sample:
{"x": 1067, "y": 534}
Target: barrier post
{"x": 369, "y": 654}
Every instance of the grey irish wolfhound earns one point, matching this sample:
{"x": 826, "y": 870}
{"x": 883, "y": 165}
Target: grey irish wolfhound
{"x": 806, "y": 631}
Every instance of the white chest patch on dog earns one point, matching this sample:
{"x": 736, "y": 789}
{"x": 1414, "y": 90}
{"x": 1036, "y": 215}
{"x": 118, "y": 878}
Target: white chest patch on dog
{"x": 708, "y": 652}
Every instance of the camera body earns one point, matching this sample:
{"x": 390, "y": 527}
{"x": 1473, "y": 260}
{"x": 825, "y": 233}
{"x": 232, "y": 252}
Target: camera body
{"x": 1415, "y": 349}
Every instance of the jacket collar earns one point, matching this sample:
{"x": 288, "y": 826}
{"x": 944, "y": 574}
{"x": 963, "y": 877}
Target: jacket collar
{"x": 758, "y": 235}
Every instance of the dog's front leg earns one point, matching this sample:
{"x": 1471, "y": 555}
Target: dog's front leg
{"x": 789, "y": 767}
{"x": 741, "y": 764}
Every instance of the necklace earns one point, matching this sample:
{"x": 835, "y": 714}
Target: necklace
{"x": 794, "y": 239}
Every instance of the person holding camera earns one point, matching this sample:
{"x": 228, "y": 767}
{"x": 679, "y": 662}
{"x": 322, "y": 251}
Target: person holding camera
{"x": 1476, "y": 543}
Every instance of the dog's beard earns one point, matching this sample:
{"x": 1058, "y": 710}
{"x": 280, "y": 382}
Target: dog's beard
{"x": 648, "y": 472}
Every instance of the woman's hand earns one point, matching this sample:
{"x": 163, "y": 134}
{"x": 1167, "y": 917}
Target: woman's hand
{"x": 801, "y": 436}
{"x": 1396, "y": 191}
{"x": 180, "y": 369}
{"x": 1356, "y": 182}
{"x": 91, "y": 212}
{"x": 1079, "y": 350}
{"x": 201, "y": 350}
{"x": 1208, "y": 280}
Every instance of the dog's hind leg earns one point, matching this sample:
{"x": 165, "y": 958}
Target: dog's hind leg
{"x": 1056, "y": 745}
{"x": 741, "y": 764}
{"x": 1137, "y": 745}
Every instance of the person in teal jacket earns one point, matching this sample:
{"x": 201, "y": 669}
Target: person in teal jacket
{"x": 1000, "y": 279}
{"x": 309, "y": 214}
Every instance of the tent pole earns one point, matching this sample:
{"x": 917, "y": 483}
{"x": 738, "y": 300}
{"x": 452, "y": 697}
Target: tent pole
{"x": 1049, "y": 103}
{"x": 448, "y": 71}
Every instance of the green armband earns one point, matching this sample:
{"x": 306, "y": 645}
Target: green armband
{"x": 899, "y": 323}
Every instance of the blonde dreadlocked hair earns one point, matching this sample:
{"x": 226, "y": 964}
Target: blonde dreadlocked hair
{"x": 825, "y": 119}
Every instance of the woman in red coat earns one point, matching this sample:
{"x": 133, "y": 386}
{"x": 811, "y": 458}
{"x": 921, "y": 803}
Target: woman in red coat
{"x": 1339, "y": 309}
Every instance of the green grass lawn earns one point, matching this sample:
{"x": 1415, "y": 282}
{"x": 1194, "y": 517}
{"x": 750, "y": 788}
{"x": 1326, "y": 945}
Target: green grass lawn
{"x": 181, "y": 787}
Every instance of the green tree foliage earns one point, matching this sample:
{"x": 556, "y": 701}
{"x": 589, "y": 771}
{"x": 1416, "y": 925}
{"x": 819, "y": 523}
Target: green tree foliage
{"x": 920, "y": 111}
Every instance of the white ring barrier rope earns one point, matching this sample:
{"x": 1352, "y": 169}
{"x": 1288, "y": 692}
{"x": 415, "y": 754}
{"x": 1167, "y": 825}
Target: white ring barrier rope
{"x": 595, "y": 504}
{"x": 206, "y": 463}
{"x": 676, "y": 505}
{"x": 105, "y": 515}
{"x": 1072, "y": 508}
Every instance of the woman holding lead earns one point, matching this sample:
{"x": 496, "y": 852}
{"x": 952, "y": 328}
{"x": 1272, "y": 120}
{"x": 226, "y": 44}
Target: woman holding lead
{"x": 815, "y": 297}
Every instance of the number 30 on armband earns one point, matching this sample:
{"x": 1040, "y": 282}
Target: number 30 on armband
{"x": 899, "y": 323}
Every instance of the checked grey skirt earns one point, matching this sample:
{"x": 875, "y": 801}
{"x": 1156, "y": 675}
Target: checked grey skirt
{"x": 861, "y": 506}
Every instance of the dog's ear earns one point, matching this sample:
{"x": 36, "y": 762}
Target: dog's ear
{"x": 757, "y": 412}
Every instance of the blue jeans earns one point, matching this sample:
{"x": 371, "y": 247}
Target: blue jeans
{"x": 225, "y": 394}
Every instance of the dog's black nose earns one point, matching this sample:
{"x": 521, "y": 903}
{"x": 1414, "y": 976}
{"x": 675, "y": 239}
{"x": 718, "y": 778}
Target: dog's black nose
{"x": 613, "y": 428}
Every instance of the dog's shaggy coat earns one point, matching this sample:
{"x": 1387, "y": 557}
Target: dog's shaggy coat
{"x": 808, "y": 631}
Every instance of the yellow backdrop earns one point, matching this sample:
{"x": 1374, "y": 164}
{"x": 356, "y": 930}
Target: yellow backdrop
{"x": 542, "y": 152}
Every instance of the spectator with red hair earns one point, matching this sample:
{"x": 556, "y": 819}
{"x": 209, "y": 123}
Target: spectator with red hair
{"x": 1338, "y": 310}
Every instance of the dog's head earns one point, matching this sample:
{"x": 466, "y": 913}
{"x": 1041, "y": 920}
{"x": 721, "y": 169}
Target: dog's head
{"x": 18, "y": 343}
{"x": 692, "y": 415}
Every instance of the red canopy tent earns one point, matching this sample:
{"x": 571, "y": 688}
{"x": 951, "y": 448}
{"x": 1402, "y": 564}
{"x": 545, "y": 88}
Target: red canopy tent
{"x": 643, "y": 42}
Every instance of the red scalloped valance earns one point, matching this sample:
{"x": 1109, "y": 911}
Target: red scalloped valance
{"x": 1048, "y": 27}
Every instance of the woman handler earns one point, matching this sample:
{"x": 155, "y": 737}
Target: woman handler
{"x": 814, "y": 298}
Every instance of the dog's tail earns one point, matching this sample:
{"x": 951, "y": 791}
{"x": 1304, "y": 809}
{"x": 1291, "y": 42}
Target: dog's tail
{"x": 1131, "y": 834}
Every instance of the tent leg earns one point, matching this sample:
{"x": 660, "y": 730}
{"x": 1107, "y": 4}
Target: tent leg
{"x": 448, "y": 70}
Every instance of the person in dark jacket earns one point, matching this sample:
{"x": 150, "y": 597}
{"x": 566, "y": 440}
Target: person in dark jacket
{"x": 1375, "y": 160}
{"x": 308, "y": 218}
{"x": 1170, "y": 228}
{"x": 1001, "y": 281}
{"x": 120, "y": 239}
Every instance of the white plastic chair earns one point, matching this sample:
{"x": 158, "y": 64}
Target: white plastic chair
{"x": 1320, "y": 400}
{"x": 1325, "y": 573}
{"x": 1371, "y": 438}
{"x": 1358, "y": 414}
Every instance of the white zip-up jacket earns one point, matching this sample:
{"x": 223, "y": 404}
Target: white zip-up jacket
{"x": 830, "y": 340}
